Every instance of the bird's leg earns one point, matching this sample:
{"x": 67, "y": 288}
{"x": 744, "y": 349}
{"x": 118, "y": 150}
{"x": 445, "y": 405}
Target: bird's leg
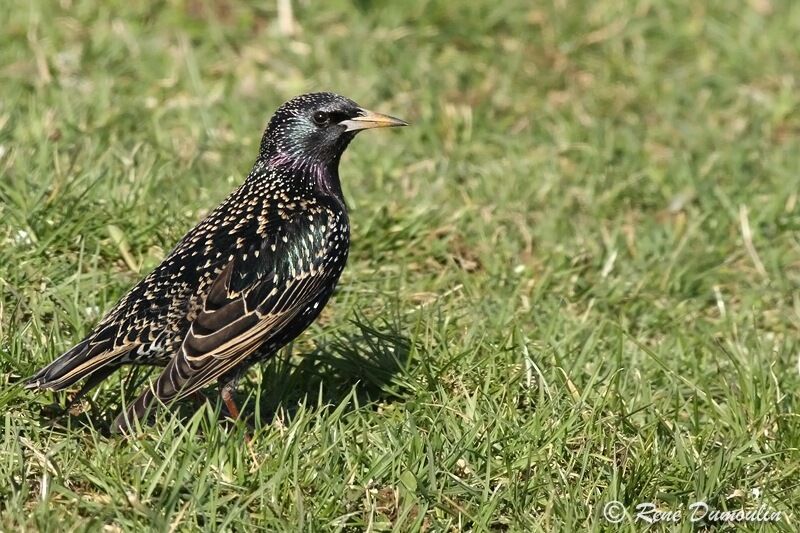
{"x": 227, "y": 387}
{"x": 226, "y": 391}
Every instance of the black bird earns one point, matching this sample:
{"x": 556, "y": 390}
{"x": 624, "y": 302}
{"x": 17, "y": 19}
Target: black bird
{"x": 246, "y": 280}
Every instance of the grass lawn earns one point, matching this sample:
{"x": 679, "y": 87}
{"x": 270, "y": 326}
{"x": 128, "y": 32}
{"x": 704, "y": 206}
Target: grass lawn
{"x": 574, "y": 280}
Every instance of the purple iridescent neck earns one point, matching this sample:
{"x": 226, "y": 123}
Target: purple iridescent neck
{"x": 308, "y": 172}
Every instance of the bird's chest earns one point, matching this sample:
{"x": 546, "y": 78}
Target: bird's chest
{"x": 311, "y": 238}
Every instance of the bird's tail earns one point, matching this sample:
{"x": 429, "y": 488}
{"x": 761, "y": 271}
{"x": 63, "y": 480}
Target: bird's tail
{"x": 88, "y": 356}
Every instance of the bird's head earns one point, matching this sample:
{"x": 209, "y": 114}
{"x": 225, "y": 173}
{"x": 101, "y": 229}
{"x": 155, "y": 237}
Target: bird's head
{"x": 316, "y": 128}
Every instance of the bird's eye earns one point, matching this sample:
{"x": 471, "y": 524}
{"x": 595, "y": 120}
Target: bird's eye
{"x": 320, "y": 118}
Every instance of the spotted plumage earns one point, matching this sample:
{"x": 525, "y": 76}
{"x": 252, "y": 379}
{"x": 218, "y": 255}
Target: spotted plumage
{"x": 247, "y": 279}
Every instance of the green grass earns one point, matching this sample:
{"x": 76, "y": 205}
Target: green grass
{"x": 575, "y": 279}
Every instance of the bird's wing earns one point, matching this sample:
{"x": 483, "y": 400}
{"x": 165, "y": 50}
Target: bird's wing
{"x": 251, "y": 302}
{"x": 140, "y": 327}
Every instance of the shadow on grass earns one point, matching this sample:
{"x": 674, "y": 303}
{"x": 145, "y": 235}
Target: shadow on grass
{"x": 370, "y": 361}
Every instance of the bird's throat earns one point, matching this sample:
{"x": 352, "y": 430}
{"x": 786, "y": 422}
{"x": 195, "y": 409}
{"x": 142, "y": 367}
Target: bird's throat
{"x": 309, "y": 173}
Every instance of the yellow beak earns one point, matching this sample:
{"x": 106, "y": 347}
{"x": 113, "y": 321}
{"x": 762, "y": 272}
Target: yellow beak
{"x": 370, "y": 119}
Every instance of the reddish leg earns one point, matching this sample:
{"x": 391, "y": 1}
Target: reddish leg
{"x": 227, "y": 397}
{"x": 226, "y": 391}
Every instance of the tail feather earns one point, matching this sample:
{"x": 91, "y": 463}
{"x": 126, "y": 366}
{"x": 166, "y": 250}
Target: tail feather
{"x": 51, "y": 376}
{"x": 85, "y": 358}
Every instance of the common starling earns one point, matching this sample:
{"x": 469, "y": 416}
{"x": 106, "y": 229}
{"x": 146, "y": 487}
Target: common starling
{"x": 246, "y": 280}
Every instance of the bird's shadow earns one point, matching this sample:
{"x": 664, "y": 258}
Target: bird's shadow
{"x": 369, "y": 362}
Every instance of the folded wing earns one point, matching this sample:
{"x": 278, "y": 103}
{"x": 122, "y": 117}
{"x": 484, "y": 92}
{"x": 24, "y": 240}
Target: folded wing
{"x": 262, "y": 297}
